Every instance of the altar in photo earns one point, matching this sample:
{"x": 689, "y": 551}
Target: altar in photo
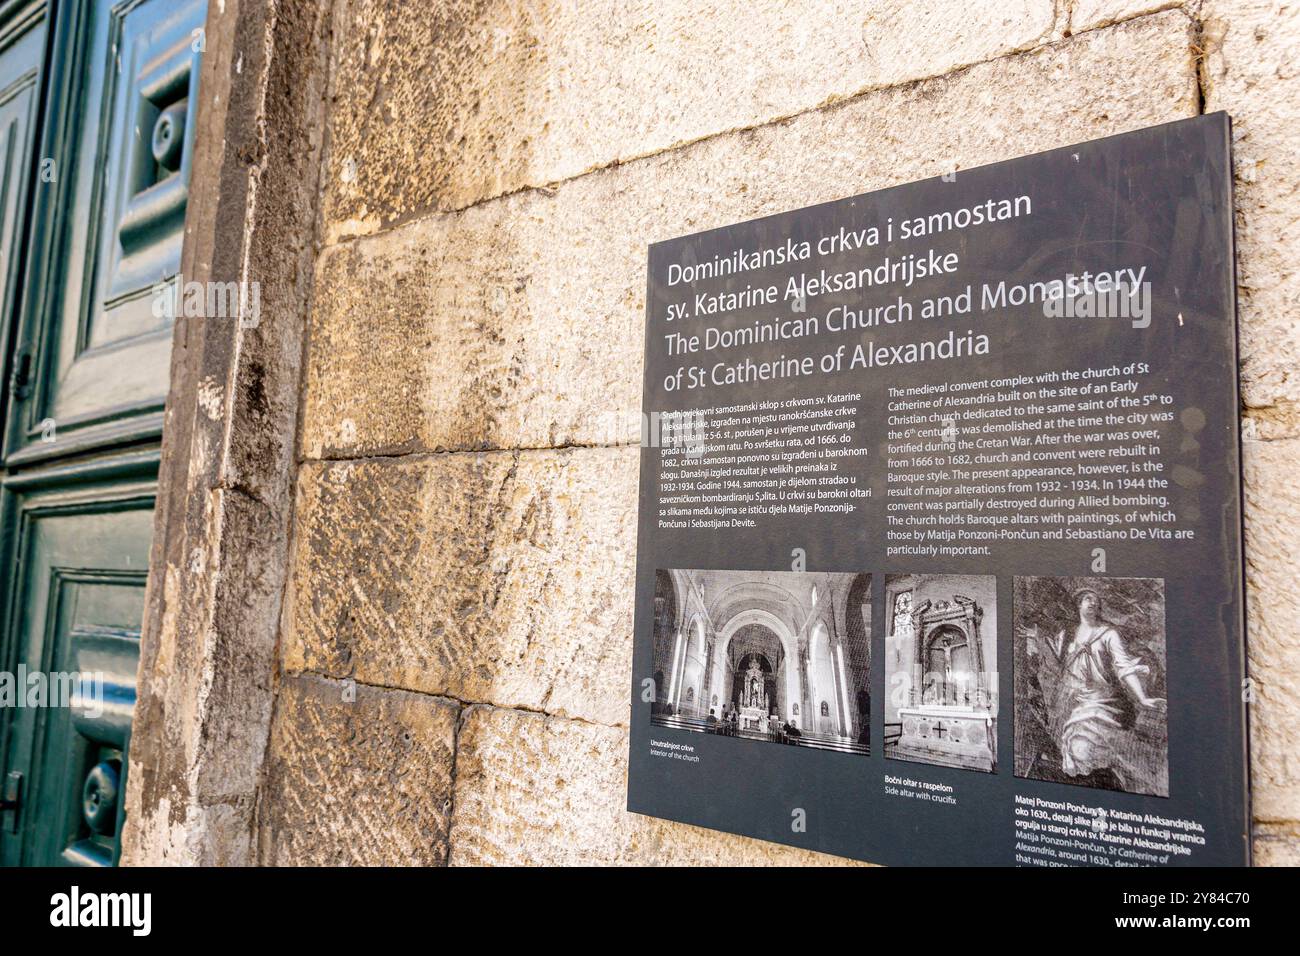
{"x": 941, "y": 670}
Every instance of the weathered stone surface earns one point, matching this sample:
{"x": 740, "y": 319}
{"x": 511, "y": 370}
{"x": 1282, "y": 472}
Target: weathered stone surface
{"x": 539, "y": 790}
{"x": 1092, "y": 14}
{"x": 1276, "y": 846}
{"x": 219, "y": 559}
{"x": 1272, "y": 568}
{"x": 186, "y": 833}
{"x": 1251, "y": 70}
{"x": 357, "y": 783}
{"x": 505, "y": 578}
{"x": 519, "y": 322}
{"x": 439, "y": 107}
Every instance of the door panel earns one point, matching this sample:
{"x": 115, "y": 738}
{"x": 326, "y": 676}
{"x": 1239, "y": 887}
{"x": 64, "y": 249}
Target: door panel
{"x": 83, "y": 555}
{"x": 99, "y": 338}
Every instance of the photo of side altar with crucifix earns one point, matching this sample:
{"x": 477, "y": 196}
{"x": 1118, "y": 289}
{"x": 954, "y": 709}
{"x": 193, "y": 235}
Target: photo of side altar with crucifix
{"x": 941, "y": 682}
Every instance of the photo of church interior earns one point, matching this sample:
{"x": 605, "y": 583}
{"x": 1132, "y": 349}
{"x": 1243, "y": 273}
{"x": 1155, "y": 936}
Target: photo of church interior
{"x": 941, "y": 683}
{"x": 775, "y": 656}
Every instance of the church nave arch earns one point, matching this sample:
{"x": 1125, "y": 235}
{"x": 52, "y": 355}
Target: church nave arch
{"x": 785, "y": 668}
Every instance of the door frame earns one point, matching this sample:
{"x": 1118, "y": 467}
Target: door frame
{"x": 229, "y": 448}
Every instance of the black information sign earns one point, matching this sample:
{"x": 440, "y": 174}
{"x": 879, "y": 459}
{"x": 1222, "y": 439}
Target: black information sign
{"x": 939, "y": 554}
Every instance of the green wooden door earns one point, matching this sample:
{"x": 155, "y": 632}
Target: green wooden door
{"x": 96, "y": 119}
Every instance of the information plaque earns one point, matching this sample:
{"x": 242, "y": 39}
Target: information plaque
{"x": 939, "y": 548}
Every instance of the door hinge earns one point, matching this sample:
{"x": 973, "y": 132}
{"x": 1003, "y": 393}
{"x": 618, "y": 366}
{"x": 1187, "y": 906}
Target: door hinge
{"x": 12, "y": 797}
{"x": 20, "y": 385}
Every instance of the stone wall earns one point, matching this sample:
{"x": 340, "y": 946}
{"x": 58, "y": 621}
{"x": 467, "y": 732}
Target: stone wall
{"x": 455, "y": 648}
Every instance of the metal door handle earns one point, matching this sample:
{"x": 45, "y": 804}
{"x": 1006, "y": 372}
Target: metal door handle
{"x": 12, "y": 798}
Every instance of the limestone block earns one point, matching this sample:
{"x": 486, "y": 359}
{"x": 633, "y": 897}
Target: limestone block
{"x": 1272, "y": 568}
{"x": 364, "y": 782}
{"x": 1092, "y": 14}
{"x": 1251, "y": 71}
{"x": 537, "y": 790}
{"x": 1276, "y": 846}
{"x": 520, "y": 322}
{"x": 441, "y": 106}
{"x": 504, "y": 578}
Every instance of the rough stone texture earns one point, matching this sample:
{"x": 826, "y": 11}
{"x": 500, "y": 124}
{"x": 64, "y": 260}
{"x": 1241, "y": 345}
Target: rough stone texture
{"x": 357, "y": 783}
{"x": 1092, "y": 14}
{"x": 513, "y": 319}
{"x": 505, "y": 578}
{"x": 1276, "y": 846}
{"x": 183, "y": 833}
{"x": 519, "y": 322}
{"x": 218, "y": 561}
{"x": 1252, "y": 71}
{"x": 1272, "y": 517}
{"x": 538, "y": 790}
{"x": 444, "y": 105}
